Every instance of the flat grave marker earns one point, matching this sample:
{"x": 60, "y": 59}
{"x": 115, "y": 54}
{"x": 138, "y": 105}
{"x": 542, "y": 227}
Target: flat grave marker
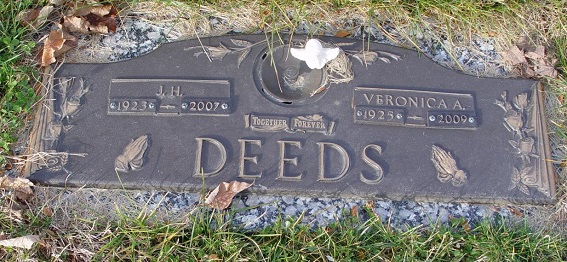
{"x": 376, "y": 122}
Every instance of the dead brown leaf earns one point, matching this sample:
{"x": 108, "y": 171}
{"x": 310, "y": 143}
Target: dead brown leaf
{"x": 515, "y": 211}
{"x": 526, "y": 71}
{"x": 48, "y": 211}
{"x": 342, "y": 33}
{"x": 354, "y": 211}
{"x": 28, "y": 16}
{"x": 213, "y": 257}
{"x": 221, "y": 197}
{"x": 515, "y": 56}
{"x": 530, "y": 59}
{"x": 537, "y": 53}
{"x": 81, "y": 25}
{"x": 57, "y": 2}
{"x": 546, "y": 70}
{"x": 92, "y": 19}
{"x": 35, "y": 17}
{"x": 466, "y": 225}
{"x": 99, "y": 10}
{"x": 21, "y": 242}
{"x": 523, "y": 43}
{"x": 57, "y": 43}
{"x": 21, "y": 186}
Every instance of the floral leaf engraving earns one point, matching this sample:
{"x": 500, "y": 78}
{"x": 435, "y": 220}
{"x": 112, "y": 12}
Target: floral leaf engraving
{"x": 242, "y": 56}
{"x": 516, "y": 121}
{"x": 218, "y": 53}
{"x": 55, "y": 161}
{"x": 515, "y": 178}
{"x": 132, "y": 158}
{"x": 241, "y": 43}
{"x": 521, "y": 101}
{"x": 71, "y": 102}
{"x": 366, "y": 57}
{"x": 214, "y": 52}
{"x": 523, "y": 188}
{"x": 526, "y": 176}
{"x": 446, "y": 166}
{"x": 390, "y": 55}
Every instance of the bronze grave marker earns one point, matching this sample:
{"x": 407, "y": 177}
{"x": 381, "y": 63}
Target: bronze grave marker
{"x": 376, "y": 121}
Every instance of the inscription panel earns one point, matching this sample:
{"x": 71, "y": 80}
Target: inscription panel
{"x": 169, "y": 97}
{"x": 403, "y": 107}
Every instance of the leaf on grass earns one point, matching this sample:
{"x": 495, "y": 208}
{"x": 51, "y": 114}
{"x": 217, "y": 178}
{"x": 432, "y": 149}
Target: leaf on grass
{"x": 99, "y": 10}
{"x": 35, "y": 17}
{"x": 92, "y": 19}
{"x": 47, "y": 211}
{"x": 527, "y": 71}
{"x": 57, "y": 43}
{"x": 515, "y": 56}
{"x": 28, "y": 16}
{"x": 546, "y": 70}
{"x": 221, "y": 197}
{"x": 342, "y": 33}
{"x": 57, "y": 2}
{"x": 354, "y": 211}
{"x": 465, "y": 225}
{"x": 530, "y": 59}
{"x": 538, "y": 53}
{"x": 21, "y": 242}
{"x": 516, "y": 212}
{"x": 22, "y": 186}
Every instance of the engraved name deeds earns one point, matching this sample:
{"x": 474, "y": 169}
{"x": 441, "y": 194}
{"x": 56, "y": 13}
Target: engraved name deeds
{"x": 365, "y": 120}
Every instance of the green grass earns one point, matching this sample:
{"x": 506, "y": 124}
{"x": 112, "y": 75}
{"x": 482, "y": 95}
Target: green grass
{"x": 206, "y": 235}
{"x": 16, "y": 77}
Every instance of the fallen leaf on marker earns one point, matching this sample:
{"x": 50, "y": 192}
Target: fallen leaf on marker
{"x": 22, "y": 242}
{"x": 92, "y": 19}
{"x": 221, "y": 197}
{"x": 57, "y": 43}
{"x": 21, "y": 186}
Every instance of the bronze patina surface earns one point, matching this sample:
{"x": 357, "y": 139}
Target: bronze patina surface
{"x": 392, "y": 124}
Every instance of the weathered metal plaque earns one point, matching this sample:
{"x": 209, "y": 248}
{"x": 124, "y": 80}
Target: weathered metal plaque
{"x": 391, "y": 124}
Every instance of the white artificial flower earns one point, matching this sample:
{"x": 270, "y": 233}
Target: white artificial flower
{"x": 314, "y": 54}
